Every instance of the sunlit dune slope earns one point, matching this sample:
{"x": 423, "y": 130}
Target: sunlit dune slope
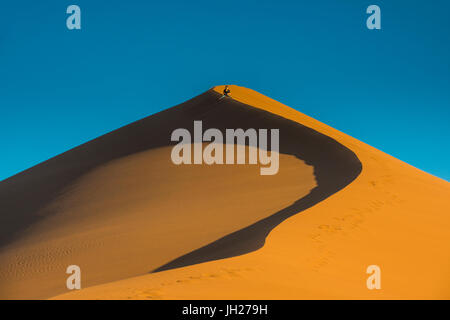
{"x": 392, "y": 215}
{"x": 118, "y": 207}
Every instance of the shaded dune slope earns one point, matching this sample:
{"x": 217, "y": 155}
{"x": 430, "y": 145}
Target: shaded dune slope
{"x": 335, "y": 166}
{"x": 25, "y": 198}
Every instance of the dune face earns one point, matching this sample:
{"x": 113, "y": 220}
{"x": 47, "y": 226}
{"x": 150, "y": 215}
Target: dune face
{"x": 392, "y": 215}
{"x": 133, "y": 215}
{"x": 118, "y": 207}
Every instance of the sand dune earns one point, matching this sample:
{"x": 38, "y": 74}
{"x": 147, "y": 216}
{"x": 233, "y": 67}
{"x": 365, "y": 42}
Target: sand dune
{"x": 135, "y": 214}
{"x": 118, "y": 207}
{"x": 143, "y": 228}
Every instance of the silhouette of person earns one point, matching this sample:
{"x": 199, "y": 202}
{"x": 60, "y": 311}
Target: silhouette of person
{"x": 226, "y": 91}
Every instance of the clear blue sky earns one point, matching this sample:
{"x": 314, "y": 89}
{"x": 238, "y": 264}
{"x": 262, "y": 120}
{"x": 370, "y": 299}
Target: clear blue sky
{"x": 389, "y": 88}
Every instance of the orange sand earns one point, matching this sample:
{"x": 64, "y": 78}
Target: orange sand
{"x": 393, "y": 215}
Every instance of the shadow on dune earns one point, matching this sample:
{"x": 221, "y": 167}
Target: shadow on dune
{"x": 245, "y": 240}
{"x": 25, "y": 197}
{"x": 335, "y": 166}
